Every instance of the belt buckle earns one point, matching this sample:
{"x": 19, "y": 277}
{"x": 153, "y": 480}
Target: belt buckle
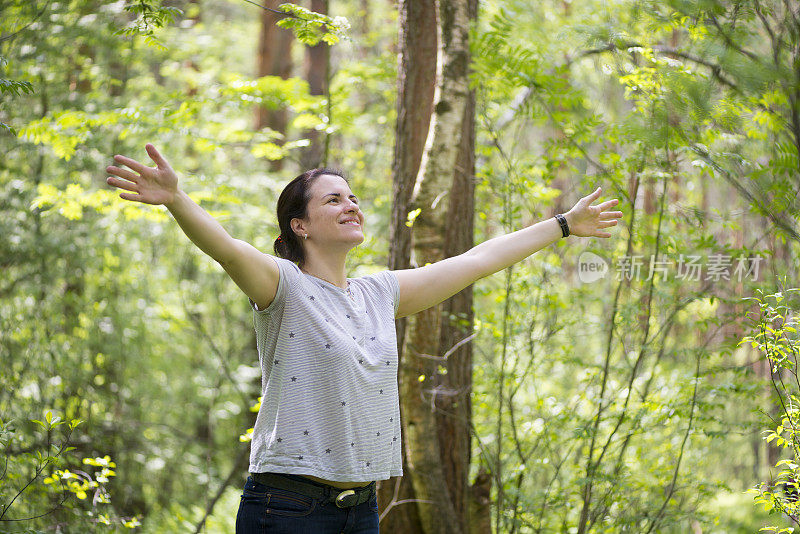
{"x": 346, "y": 498}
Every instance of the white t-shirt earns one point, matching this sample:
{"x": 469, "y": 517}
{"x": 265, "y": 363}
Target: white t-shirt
{"x": 330, "y": 406}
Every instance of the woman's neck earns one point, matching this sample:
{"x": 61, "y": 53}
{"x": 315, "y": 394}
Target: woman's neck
{"x": 335, "y": 276}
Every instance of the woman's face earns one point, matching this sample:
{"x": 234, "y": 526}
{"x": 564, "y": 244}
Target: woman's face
{"x": 332, "y": 213}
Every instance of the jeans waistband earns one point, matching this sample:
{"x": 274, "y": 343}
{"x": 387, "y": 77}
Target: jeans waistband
{"x": 311, "y": 488}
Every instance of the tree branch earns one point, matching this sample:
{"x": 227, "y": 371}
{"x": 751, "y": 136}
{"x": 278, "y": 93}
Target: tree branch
{"x": 6, "y": 37}
{"x": 705, "y": 156}
{"x": 276, "y": 11}
{"x": 730, "y": 42}
{"x": 683, "y": 445}
{"x": 716, "y": 70}
{"x": 238, "y": 465}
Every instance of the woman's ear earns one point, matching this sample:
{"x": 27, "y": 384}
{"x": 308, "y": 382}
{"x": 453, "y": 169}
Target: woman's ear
{"x": 297, "y": 227}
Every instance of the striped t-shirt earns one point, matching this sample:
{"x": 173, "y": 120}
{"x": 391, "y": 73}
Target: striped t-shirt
{"x": 330, "y": 405}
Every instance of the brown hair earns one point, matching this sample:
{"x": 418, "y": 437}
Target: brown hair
{"x": 293, "y": 204}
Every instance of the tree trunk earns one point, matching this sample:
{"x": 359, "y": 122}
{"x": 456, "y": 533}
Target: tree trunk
{"x": 274, "y": 59}
{"x": 454, "y": 406}
{"x": 435, "y": 405}
{"x": 316, "y": 72}
{"x": 416, "y": 81}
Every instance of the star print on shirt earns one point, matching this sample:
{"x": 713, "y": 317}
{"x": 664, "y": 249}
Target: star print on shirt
{"x": 394, "y": 438}
{"x": 367, "y": 464}
{"x": 353, "y": 444}
{"x": 346, "y": 315}
{"x": 368, "y": 376}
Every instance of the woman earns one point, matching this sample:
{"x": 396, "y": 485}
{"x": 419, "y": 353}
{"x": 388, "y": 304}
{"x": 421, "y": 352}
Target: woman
{"x": 329, "y": 422}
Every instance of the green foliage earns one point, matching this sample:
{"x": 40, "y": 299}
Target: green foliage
{"x": 104, "y": 307}
{"x": 631, "y": 388}
{"x": 310, "y": 27}
{"x": 35, "y": 488}
{"x": 775, "y": 335}
{"x": 150, "y": 15}
{"x": 11, "y": 87}
{"x": 614, "y": 404}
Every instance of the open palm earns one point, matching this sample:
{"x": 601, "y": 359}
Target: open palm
{"x": 585, "y": 220}
{"x": 151, "y": 185}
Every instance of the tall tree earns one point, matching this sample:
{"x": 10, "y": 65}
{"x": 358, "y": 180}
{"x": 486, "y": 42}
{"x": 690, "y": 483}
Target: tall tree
{"x": 317, "y": 73}
{"x": 274, "y": 59}
{"x": 416, "y": 81}
{"x": 434, "y": 181}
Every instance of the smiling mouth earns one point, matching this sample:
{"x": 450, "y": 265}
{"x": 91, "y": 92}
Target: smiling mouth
{"x": 351, "y": 223}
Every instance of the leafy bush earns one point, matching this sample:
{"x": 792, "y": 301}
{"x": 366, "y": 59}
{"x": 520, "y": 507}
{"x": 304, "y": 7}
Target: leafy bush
{"x": 775, "y": 336}
{"x": 43, "y": 484}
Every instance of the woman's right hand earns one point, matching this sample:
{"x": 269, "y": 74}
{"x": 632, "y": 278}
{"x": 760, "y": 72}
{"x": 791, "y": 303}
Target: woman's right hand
{"x": 157, "y": 185}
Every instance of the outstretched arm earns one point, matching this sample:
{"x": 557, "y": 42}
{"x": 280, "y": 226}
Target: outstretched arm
{"x": 584, "y": 220}
{"x": 427, "y": 286}
{"x": 159, "y": 185}
{"x": 254, "y": 272}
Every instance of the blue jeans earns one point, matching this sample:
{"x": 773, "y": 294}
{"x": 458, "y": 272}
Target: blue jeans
{"x": 267, "y": 510}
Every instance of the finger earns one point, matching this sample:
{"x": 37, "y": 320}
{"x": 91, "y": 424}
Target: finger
{"x": 602, "y": 234}
{"x": 606, "y": 224}
{"x": 608, "y": 215}
{"x": 123, "y": 173}
{"x": 132, "y": 163}
{"x": 128, "y": 196}
{"x": 608, "y": 204}
{"x": 122, "y": 184}
{"x": 592, "y": 197}
{"x": 156, "y": 156}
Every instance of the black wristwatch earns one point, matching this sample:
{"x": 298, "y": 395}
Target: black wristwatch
{"x": 562, "y": 222}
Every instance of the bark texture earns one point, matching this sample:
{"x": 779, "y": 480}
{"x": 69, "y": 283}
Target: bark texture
{"x": 435, "y": 389}
{"x": 416, "y": 81}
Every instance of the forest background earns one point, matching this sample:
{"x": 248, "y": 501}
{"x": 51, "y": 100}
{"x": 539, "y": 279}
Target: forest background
{"x": 558, "y": 401}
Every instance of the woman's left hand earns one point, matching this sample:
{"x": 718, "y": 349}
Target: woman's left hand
{"x": 585, "y": 220}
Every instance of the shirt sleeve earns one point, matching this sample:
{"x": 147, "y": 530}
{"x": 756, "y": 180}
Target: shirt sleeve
{"x": 287, "y": 272}
{"x": 387, "y": 281}
{"x": 395, "y": 289}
